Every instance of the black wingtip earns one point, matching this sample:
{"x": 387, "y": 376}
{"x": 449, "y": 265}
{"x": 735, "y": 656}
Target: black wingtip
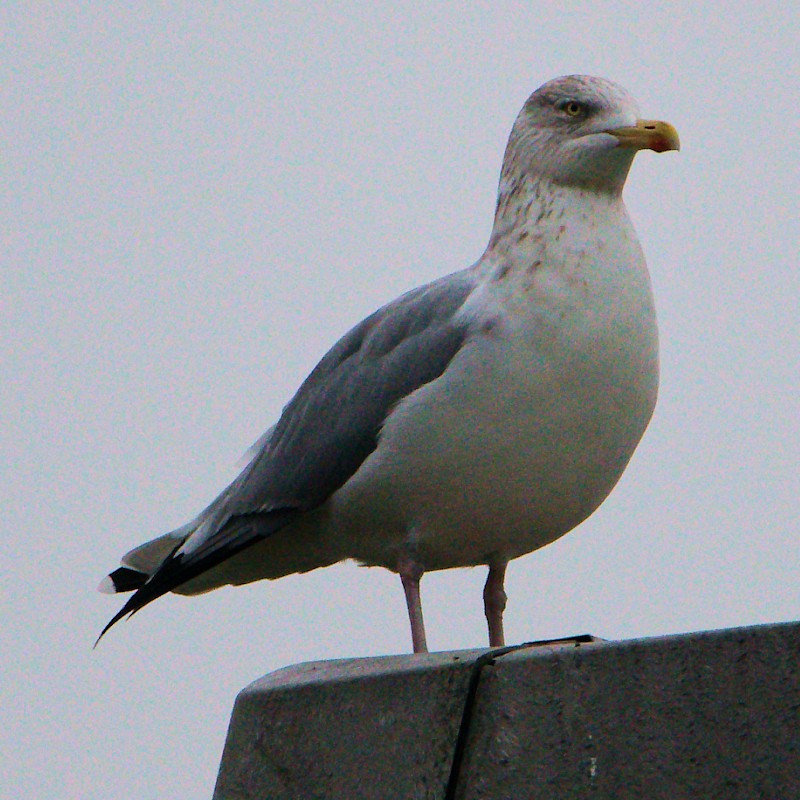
{"x": 153, "y": 587}
{"x": 126, "y": 579}
{"x": 240, "y": 532}
{"x": 128, "y": 608}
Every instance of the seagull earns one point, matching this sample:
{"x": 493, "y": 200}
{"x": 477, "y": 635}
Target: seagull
{"x": 474, "y": 419}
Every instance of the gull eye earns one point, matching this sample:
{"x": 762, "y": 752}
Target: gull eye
{"x": 572, "y": 108}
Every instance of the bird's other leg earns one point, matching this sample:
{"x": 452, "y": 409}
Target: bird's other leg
{"x": 410, "y": 574}
{"x": 494, "y": 602}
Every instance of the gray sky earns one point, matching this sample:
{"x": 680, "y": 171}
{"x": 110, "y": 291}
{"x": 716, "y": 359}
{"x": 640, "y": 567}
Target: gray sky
{"x": 198, "y": 202}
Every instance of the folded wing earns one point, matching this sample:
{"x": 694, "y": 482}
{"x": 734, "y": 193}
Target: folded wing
{"x": 324, "y": 434}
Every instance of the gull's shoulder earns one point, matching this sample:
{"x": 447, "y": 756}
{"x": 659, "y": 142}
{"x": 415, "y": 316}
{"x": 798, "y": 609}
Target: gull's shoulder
{"x": 433, "y": 306}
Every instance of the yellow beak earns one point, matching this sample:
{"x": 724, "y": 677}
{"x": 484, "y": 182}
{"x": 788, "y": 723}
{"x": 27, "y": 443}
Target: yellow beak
{"x": 648, "y": 134}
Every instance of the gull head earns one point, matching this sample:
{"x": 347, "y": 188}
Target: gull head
{"x": 582, "y": 132}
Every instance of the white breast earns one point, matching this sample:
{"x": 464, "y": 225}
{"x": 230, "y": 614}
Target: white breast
{"x": 534, "y": 421}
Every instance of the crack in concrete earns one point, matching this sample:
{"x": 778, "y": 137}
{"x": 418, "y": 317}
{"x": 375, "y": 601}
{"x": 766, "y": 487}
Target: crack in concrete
{"x": 471, "y": 699}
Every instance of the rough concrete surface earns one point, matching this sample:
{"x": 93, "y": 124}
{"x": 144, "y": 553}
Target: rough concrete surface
{"x": 708, "y": 715}
{"x": 361, "y": 728}
{"x": 705, "y": 715}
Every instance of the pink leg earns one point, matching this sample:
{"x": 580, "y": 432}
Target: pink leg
{"x": 410, "y": 575}
{"x": 494, "y": 602}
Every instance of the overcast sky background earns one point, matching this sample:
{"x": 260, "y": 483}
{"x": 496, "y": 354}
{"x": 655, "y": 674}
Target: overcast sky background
{"x": 198, "y": 201}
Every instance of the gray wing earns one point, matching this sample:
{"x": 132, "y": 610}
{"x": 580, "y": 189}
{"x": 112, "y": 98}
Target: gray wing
{"x": 333, "y": 422}
{"x": 326, "y": 431}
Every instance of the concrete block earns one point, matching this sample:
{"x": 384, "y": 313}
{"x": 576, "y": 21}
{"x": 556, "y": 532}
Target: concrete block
{"x": 706, "y": 715}
{"x": 361, "y": 729}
